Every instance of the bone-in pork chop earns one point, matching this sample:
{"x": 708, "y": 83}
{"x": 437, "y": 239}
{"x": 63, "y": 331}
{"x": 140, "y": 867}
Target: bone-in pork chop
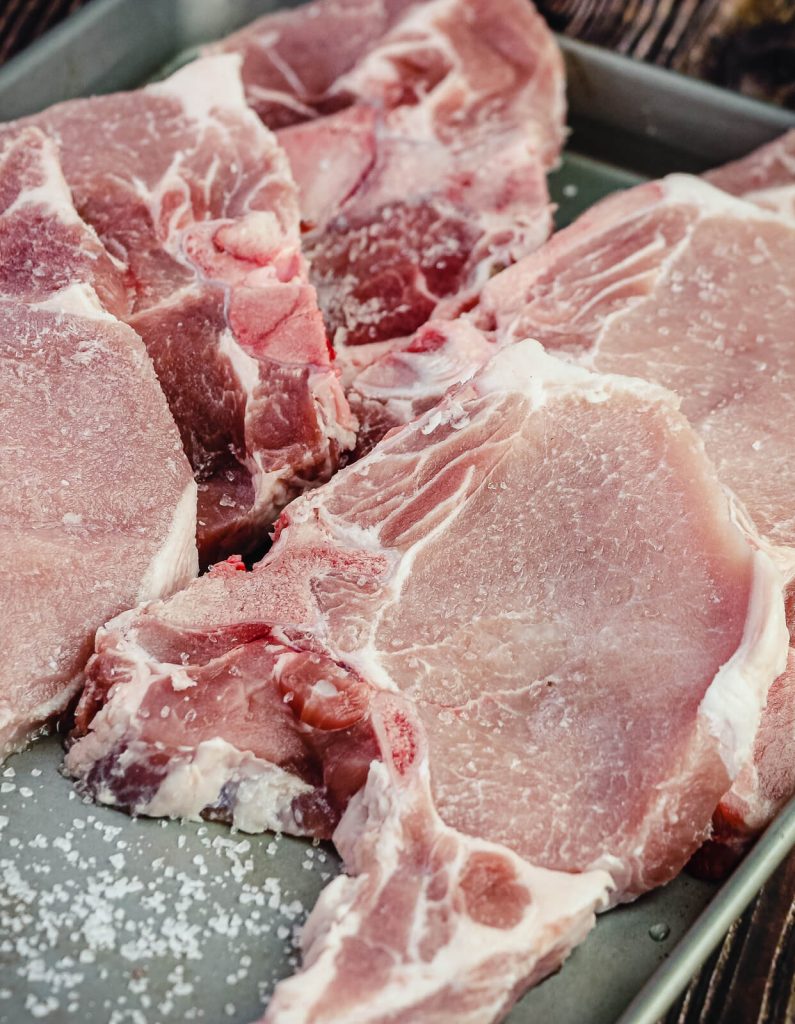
{"x": 538, "y": 638}
{"x": 194, "y": 200}
{"x": 97, "y": 500}
{"x": 430, "y": 925}
{"x": 538, "y": 587}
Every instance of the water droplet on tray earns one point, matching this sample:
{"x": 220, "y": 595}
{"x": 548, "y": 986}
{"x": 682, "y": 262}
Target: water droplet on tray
{"x": 659, "y": 932}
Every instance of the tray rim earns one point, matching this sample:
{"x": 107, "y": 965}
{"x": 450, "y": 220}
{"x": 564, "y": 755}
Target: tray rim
{"x": 583, "y": 61}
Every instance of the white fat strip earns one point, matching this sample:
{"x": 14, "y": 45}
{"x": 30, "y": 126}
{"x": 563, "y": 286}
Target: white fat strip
{"x": 78, "y": 300}
{"x": 711, "y": 201}
{"x": 246, "y": 367}
{"x": 263, "y": 799}
{"x": 206, "y": 85}
{"x": 526, "y": 368}
{"x": 779, "y": 199}
{"x": 737, "y": 695}
{"x": 177, "y": 560}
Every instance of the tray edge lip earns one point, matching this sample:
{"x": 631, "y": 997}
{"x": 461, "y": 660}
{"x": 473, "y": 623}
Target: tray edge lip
{"x": 668, "y": 79}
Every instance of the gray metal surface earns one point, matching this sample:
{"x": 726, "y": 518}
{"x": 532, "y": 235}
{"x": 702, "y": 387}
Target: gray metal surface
{"x": 183, "y": 923}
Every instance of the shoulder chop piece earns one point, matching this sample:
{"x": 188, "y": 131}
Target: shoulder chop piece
{"x": 385, "y": 256}
{"x": 194, "y": 200}
{"x": 479, "y": 58}
{"x": 678, "y": 283}
{"x": 419, "y": 135}
{"x": 765, "y": 177}
{"x": 97, "y": 501}
{"x": 600, "y": 649}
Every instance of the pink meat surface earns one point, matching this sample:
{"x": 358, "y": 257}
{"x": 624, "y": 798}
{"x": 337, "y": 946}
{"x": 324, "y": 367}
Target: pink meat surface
{"x": 765, "y": 177}
{"x": 44, "y": 245}
{"x": 193, "y": 199}
{"x": 470, "y": 925}
{"x": 629, "y": 653}
{"x": 680, "y": 284}
{"x": 97, "y": 500}
{"x": 419, "y": 135}
{"x": 477, "y": 57}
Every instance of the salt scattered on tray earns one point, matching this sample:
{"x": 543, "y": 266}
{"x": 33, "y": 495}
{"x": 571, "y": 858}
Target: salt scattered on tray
{"x": 120, "y": 921}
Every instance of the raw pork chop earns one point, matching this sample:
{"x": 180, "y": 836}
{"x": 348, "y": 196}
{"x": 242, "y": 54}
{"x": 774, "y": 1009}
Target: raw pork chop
{"x": 420, "y": 135}
{"x": 609, "y": 675}
{"x": 97, "y": 501}
{"x": 194, "y": 200}
{"x": 765, "y": 177}
{"x": 573, "y": 697}
{"x": 681, "y": 284}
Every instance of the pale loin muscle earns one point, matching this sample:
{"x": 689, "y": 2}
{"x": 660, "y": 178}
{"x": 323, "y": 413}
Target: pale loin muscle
{"x": 684, "y": 285}
{"x": 97, "y": 500}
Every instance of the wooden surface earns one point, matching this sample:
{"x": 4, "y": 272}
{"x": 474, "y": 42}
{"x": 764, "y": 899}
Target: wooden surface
{"x": 750, "y": 979}
{"x": 743, "y": 44}
{"x": 747, "y": 45}
{"x": 22, "y": 21}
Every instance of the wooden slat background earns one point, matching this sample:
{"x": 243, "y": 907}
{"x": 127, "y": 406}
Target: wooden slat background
{"x": 747, "y": 45}
{"x": 742, "y": 44}
{"x": 22, "y": 21}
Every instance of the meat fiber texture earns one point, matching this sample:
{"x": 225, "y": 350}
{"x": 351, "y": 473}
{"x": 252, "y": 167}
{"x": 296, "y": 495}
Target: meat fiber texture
{"x": 419, "y": 135}
{"x": 765, "y": 177}
{"x": 193, "y": 199}
{"x": 537, "y": 595}
{"x": 97, "y": 500}
{"x": 430, "y": 925}
{"x": 681, "y": 284}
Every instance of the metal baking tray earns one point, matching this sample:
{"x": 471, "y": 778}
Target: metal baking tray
{"x": 111, "y": 920}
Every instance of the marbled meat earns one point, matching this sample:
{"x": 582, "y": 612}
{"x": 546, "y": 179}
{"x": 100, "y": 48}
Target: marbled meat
{"x": 193, "y": 199}
{"x": 420, "y": 136}
{"x": 582, "y": 696}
